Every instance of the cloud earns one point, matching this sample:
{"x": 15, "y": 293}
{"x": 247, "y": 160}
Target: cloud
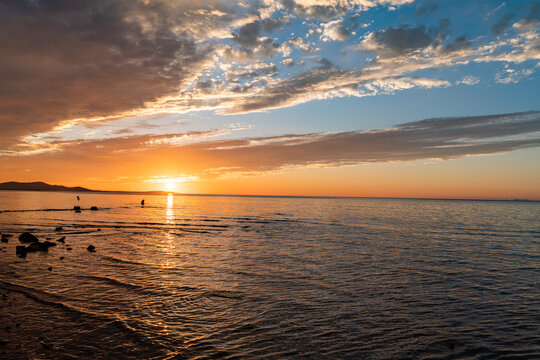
{"x": 532, "y": 20}
{"x": 426, "y": 8}
{"x": 330, "y": 9}
{"x": 248, "y": 36}
{"x": 469, "y": 80}
{"x": 502, "y": 24}
{"x": 67, "y": 60}
{"x": 299, "y": 43}
{"x": 288, "y": 62}
{"x": 512, "y": 76}
{"x": 439, "y": 138}
{"x": 64, "y": 63}
{"x": 398, "y": 41}
{"x": 335, "y": 31}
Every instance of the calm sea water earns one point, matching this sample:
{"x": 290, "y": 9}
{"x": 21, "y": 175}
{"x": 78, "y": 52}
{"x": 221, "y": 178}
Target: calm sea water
{"x": 195, "y": 277}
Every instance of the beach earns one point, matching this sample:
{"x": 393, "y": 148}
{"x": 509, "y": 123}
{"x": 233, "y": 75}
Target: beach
{"x": 197, "y": 277}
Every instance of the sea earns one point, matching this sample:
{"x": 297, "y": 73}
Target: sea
{"x": 232, "y": 277}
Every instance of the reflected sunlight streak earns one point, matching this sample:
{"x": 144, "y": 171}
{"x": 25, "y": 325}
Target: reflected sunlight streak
{"x": 169, "y": 245}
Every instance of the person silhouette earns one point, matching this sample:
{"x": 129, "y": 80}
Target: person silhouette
{"x": 142, "y": 202}
{"x": 78, "y": 198}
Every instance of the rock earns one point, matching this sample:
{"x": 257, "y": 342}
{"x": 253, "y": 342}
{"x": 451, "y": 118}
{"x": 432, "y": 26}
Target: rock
{"x": 48, "y": 244}
{"x": 4, "y": 240}
{"x": 94, "y": 208}
{"x": 34, "y": 247}
{"x": 69, "y": 249}
{"x": 26, "y": 237}
{"x": 61, "y": 258}
{"x": 39, "y": 246}
{"x": 61, "y": 240}
{"x": 91, "y": 248}
{"x": 50, "y": 268}
{"x": 58, "y": 228}
{"x": 21, "y": 250}
{"x": 77, "y": 208}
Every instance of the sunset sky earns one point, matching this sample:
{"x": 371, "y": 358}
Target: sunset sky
{"x": 390, "y": 98}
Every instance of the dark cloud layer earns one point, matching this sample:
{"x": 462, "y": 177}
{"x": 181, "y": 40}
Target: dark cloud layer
{"x": 502, "y": 24}
{"x": 445, "y": 138}
{"x": 442, "y": 138}
{"x": 401, "y": 40}
{"x": 76, "y": 59}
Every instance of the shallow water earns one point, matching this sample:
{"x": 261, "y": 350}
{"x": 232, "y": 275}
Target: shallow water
{"x": 193, "y": 277}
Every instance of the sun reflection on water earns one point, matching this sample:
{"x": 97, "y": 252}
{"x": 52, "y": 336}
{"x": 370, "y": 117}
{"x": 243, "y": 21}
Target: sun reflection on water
{"x": 170, "y": 213}
{"x": 169, "y": 244}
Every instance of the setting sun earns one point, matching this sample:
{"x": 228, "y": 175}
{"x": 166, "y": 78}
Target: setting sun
{"x": 165, "y": 183}
{"x": 170, "y": 185}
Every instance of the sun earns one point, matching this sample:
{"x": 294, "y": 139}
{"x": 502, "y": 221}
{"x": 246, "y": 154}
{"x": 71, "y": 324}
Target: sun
{"x": 170, "y": 185}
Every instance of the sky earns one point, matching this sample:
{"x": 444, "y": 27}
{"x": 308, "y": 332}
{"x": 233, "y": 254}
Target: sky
{"x": 375, "y": 98}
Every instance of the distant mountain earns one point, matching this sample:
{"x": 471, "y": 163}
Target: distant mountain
{"x": 38, "y": 186}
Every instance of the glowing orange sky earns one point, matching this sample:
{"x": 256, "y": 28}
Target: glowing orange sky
{"x": 508, "y": 176}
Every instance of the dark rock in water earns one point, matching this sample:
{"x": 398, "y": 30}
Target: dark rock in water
{"x": 4, "y": 240}
{"x": 50, "y": 268}
{"x": 48, "y": 244}
{"x": 69, "y": 249}
{"x": 61, "y": 240}
{"x": 20, "y": 250}
{"x": 39, "y": 246}
{"x": 98, "y": 229}
{"x": 77, "y": 209}
{"x": 26, "y": 237}
{"x": 58, "y": 228}
{"x": 94, "y": 208}
{"x": 61, "y": 258}
{"x": 91, "y": 248}
{"x": 34, "y": 247}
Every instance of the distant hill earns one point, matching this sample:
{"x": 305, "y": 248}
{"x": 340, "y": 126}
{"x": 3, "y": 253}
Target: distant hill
{"x": 38, "y": 186}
